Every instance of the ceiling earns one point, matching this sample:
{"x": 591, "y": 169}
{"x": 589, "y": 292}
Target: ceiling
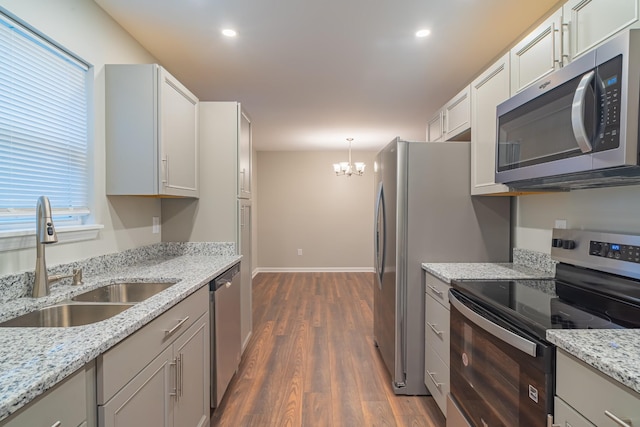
{"x": 313, "y": 73}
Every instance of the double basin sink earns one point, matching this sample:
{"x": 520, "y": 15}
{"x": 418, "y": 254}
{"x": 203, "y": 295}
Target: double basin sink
{"x": 90, "y": 307}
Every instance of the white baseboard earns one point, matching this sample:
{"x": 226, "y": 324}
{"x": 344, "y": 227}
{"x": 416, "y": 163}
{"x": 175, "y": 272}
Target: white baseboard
{"x": 312, "y": 270}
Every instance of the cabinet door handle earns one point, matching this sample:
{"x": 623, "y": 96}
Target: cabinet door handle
{"x": 622, "y": 422}
{"x": 433, "y": 378}
{"x": 242, "y": 172}
{"x": 174, "y": 363}
{"x": 168, "y": 332}
{"x": 181, "y": 374}
{"x": 435, "y": 290}
{"x": 433, "y": 328}
{"x": 56, "y": 424}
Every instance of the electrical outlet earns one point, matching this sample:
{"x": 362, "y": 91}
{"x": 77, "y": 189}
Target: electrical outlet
{"x": 299, "y": 251}
{"x": 156, "y": 224}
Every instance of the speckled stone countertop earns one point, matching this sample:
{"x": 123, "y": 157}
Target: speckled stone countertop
{"x": 483, "y": 271}
{"x": 32, "y": 360}
{"x": 614, "y": 352}
{"x": 527, "y": 265}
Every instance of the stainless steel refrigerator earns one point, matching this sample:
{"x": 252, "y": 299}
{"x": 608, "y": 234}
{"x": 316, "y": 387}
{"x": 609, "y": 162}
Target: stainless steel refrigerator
{"x": 425, "y": 213}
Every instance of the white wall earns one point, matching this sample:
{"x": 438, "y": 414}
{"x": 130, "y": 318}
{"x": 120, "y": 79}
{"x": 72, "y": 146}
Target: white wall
{"x": 615, "y": 209}
{"x": 83, "y": 28}
{"x": 303, "y": 205}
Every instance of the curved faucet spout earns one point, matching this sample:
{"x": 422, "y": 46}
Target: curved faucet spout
{"x": 45, "y": 234}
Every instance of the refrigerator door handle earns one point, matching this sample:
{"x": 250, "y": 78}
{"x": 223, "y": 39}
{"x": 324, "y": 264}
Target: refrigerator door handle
{"x": 379, "y": 236}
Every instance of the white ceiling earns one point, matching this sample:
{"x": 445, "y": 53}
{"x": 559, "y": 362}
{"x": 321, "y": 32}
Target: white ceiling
{"x": 312, "y": 73}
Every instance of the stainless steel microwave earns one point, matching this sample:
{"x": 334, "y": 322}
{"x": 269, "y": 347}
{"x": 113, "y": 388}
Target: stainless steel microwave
{"x": 577, "y": 128}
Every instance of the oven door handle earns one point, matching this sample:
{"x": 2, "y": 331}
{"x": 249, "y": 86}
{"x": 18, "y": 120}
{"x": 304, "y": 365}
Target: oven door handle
{"x": 514, "y": 340}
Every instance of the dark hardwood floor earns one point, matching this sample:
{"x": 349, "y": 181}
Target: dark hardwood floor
{"x": 312, "y": 361}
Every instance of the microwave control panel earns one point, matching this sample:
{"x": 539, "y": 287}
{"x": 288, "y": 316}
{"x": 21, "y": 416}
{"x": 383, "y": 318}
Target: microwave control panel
{"x": 609, "y": 79}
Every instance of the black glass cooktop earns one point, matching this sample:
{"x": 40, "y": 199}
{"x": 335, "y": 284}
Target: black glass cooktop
{"x": 577, "y": 299}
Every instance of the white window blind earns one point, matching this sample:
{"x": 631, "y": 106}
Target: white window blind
{"x": 43, "y": 128}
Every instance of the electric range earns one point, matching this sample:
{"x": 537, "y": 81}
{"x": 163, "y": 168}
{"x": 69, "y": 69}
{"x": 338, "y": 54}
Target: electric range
{"x": 502, "y": 366}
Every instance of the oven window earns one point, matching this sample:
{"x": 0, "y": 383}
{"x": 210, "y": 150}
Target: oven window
{"x": 494, "y": 383}
{"x": 492, "y": 373}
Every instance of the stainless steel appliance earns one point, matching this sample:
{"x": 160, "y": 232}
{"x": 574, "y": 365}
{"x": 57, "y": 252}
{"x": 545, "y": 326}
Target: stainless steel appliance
{"x": 579, "y": 127}
{"x": 424, "y": 213}
{"x": 502, "y": 367}
{"x": 224, "y": 312}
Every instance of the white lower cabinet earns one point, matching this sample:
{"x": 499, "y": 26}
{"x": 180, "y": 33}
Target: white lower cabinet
{"x": 70, "y": 403}
{"x": 437, "y": 339}
{"x": 160, "y": 376}
{"x": 587, "y": 397}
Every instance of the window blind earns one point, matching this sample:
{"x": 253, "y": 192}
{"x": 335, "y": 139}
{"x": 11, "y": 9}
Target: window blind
{"x": 43, "y": 126}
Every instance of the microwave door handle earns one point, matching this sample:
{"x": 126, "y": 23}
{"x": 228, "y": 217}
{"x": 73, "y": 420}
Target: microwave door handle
{"x": 514, "y": 340}
{"x": 577, "y": 113}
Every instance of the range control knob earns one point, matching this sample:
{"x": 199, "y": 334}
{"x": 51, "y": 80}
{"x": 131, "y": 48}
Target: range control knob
{"x": 556, "y": 243}
{"x": 569, "y": 244}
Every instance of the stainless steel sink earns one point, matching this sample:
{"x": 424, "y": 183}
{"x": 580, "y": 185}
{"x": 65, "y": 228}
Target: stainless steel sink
{"x": 123, "y": 292}
{"x": 65, "y": 315}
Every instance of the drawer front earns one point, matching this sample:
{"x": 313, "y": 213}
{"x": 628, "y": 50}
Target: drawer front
{"x": 437, "y": 328}
{"x": 65, "y": 404}
{"x": 438, "y": 289}
{"x": 566, "y": 416}
{"x": 436, "y": 378}
{"x": 121, "y": 363}
{"x": 595, "y": 393}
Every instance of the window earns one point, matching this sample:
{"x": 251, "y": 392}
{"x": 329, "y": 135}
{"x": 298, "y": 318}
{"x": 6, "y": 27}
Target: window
{"x": 43, "y": 129}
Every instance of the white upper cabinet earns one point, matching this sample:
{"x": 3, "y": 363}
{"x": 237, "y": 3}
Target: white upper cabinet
{"x": 538, "y": 54}
{"x": 451, "y": 120}
{"x": 572, "y": 30}
{"x": 457, "y": 114}
{"x": 152, "y": 133}
{"x": 487, "y": 91}
{"x": 435, "y": 127}
{"x": 590, "y": 22}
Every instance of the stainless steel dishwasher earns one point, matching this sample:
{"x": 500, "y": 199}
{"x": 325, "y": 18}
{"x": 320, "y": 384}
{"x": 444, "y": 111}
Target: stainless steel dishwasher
{"x": 224, "y": 313}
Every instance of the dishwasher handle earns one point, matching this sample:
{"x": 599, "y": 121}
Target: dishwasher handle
{"x": 226, "y": 278}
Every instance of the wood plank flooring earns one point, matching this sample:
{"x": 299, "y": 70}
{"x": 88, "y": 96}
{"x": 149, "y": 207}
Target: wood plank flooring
{"x": 312, "y": 361}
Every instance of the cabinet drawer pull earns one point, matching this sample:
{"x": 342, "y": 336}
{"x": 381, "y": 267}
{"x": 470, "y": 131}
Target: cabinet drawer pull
{"x": 433, "y": 378}
{"x": 168, "y": 332}
{"x": 622, "y": 422}
{"x": 56, "y": 424}
{"x": 435, "y": 290}
{"x": 433, "y": 328}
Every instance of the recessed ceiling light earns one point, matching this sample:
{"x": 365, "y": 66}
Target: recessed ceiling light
{"x": 423, "y": 33}
{"x": 228, "y": 32}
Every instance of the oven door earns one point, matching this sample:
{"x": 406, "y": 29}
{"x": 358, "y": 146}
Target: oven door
{"x": 499, "y": 376}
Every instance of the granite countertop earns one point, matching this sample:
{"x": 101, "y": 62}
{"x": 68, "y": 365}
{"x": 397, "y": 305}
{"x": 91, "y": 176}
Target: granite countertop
{"x": 33, "y": 360}
{"x": 484, "y": 271}
{"x": 614, "y": 352}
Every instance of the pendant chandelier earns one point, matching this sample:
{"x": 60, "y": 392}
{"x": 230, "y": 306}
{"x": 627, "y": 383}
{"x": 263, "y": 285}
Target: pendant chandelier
{"x": 348, "y": 168}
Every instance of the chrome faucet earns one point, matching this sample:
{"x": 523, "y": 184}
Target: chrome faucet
{"x": 45, "y": 234}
